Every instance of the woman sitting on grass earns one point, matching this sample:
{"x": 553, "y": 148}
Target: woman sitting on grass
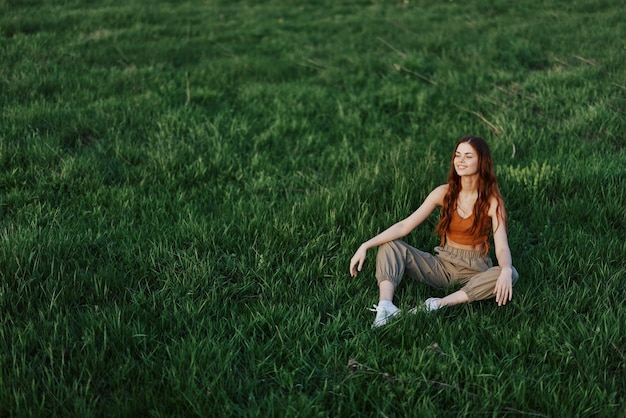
{"x": 471, "y": 208}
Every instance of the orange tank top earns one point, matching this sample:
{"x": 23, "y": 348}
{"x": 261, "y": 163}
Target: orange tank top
{"x": 459, "y": 231}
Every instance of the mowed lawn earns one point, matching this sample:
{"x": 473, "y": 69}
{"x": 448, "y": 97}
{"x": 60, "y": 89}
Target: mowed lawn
{"x": 183, "y": 184}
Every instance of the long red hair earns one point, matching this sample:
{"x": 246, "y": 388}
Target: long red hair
{"x": 487, "y": 189}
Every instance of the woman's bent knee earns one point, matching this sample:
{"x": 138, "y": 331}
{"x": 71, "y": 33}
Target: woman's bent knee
{"x": 391, "y": 247}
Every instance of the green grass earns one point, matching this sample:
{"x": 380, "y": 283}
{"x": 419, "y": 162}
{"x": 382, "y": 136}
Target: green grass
{"x": 182, "y": 185}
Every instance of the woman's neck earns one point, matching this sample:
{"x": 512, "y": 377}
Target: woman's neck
{"x": 469, "y": 184}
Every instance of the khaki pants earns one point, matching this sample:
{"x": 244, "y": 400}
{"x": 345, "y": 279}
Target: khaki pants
{"x": 450, "y": 266}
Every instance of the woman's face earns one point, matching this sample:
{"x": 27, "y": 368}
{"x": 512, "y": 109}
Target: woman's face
{"x": 465, "y": 160}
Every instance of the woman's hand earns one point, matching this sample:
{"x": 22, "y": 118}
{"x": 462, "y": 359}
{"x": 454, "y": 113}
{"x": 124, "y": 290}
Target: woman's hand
{"x": 504, "y": 287}
{"x": 356, "y": 263}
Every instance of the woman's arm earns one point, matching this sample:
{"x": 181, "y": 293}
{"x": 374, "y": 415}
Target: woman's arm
{"x": 400, "y": 229}
{"x": 504, "y": 285}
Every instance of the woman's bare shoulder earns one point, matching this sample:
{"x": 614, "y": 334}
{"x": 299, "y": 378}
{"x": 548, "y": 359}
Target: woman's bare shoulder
{"x": 441, "y": 190}
{"x": 494, "y": 204}
{"x": 438, "y": 194}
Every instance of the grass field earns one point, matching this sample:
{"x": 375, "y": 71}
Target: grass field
{"x": 182, "y": 185}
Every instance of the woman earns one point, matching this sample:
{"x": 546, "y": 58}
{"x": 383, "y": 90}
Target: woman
{"x": 472, "y": 208}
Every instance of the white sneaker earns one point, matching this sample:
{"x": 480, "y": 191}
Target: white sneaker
{"x": 384, "y": 314}
{"x": 429, "y": 305}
